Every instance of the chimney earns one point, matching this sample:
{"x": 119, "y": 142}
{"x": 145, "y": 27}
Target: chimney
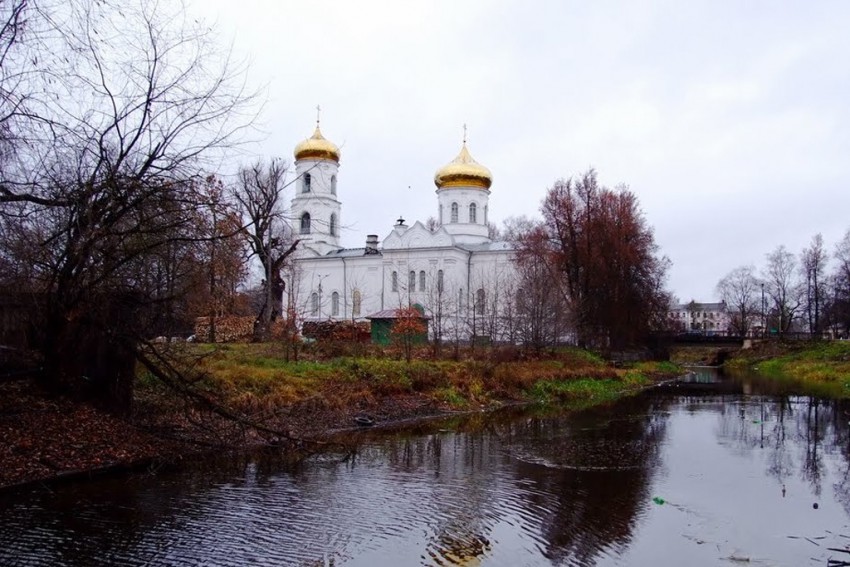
{"x": 371, "y": 244}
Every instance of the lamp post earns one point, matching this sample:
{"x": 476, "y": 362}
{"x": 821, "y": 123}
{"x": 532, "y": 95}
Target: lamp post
{"x": 763, "y": 313}
{"x": 321, "y": 278}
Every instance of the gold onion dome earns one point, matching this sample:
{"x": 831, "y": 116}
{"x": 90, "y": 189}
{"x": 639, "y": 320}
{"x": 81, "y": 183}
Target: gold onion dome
{"x": 463, "y": 171}
{"x": 317, "y": 147}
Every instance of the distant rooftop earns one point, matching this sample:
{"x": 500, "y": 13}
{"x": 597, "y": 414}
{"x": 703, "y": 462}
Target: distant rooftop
{"x": 696, "y": 306}
{"x": 350, "y": 253}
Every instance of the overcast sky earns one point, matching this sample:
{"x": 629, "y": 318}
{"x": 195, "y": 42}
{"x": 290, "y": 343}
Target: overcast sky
{"x": 730, "y": 120}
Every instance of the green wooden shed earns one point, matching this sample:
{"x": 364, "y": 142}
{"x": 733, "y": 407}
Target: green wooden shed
{"x": 382, "y": 325}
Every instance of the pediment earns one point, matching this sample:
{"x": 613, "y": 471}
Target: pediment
{"x": 417, "y": 236}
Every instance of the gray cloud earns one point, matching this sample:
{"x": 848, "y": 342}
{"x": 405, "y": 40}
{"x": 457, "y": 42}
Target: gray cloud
{"x": 728, "y": 119}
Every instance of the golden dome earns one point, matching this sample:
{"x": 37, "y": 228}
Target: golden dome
{"x": 463, "y": 171}
{"x": 317, "y": 147}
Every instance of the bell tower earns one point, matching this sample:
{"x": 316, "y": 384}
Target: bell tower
{"x": 463, "y": 195}
{"x": 315, "y": 206}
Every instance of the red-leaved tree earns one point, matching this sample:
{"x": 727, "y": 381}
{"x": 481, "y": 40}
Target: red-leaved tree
{"x": 602, "y": 256}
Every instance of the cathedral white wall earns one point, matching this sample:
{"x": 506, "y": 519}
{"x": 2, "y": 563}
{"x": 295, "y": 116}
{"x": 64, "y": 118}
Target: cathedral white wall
{"x": 372, "y": 276}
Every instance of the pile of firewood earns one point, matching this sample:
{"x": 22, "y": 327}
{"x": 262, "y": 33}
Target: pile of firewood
{"x": 228, "y": 329}
{"x": 338, "y": 331}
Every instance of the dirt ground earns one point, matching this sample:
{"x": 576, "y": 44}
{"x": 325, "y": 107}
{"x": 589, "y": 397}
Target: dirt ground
{"x": 45, "y": 437}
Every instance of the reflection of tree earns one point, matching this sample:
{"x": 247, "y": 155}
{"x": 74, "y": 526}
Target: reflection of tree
{"x": 780, "y": 461}
{"x": 590, "y": 482}
{"x": 813, "y": 434}
{"x": 841, "y": 444}
{"x": 796, "y": 432}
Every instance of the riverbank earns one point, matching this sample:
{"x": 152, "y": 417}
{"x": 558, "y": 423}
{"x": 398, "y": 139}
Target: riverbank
{"x": 822, "y": 364}
{"x": 293, "y": 403}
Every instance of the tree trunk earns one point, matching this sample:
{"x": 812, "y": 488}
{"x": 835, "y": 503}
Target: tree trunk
{"x": 85, "y": 360}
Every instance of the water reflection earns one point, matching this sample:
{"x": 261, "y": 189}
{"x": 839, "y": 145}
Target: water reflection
{"x": 797, "y": 433}
{"x": 591, "y": 476}
{"x": 738, "y": 463}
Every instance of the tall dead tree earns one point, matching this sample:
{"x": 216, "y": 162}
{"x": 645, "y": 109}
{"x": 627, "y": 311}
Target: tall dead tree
{"x": 840, "y": 308}
{"x": 783, "y": 287}
{"x": 259, "y": 194}
{"x": 813, "y": 262}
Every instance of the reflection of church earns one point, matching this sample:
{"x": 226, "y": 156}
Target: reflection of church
{"x": 453, "y": 270}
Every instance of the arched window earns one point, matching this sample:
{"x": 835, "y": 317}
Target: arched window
{"x": 485, "y": 214}
{"x": 422, "y": 280}
{"x": 305, "y": 188}
{"x": 314, "y": 304}
{"x": 333, "y": 184}
{"x": 479, "y": 301}
{"x": 335, "y": 304}
{"x": 395, "y": 281}
{"x": 454, "y": 212}
{"x": 473, "y": 213}
{"x": 411, "y": 281}
{"x": 440, "y": 281}
{"x": 356, "y": 300}
{"x": 441, "y": 214}
{"x": 332, "y": 225}
{"x": 305, "y": 223}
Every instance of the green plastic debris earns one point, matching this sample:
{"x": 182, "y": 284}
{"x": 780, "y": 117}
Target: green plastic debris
{"x": 658, "y": 500}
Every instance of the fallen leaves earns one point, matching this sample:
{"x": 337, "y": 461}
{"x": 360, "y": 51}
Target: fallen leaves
{"x": 43, "y": 437}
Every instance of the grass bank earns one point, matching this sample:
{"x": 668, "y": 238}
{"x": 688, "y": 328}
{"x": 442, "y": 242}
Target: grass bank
{"x": 819, "y": 363}
{"x": 314, "y": 395}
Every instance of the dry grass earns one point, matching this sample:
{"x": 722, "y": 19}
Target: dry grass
{"x": 256, "y": 377}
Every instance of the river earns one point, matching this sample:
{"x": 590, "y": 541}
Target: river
{"x": 712, "y": 471}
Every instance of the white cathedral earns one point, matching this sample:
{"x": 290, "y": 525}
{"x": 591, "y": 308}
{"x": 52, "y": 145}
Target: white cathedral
{"x": 454, "y": 271}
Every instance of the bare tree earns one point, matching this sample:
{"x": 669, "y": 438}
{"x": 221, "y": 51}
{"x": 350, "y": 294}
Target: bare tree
{"x": 438, "y": 308}
{"x": 740, "y": 290}
{"x": 271, "y": 240}
{"x": 542, "y": 302}
{"x": 783, "y": 287}
{"x": 840, "y": 311}
{"x": 813, "y": 262}
{"x": 113, "y": 112}
{"x": 494, "y": 232}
